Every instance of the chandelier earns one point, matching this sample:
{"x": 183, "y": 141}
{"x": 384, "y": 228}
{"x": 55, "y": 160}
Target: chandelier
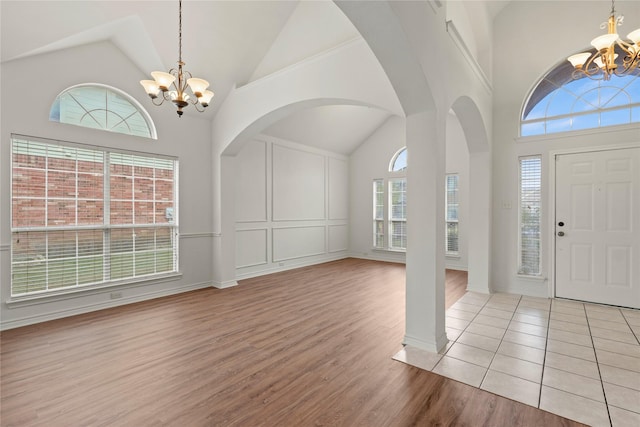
{"x": 173, "y": 84}
{"x": 603, "y": 63}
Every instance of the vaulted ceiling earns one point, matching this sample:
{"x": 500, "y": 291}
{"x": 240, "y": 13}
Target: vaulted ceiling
{"x": 228, "y": 43}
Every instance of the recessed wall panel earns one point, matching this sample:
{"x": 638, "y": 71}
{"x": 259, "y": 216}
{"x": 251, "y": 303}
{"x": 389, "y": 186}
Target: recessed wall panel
{"x": 338, "y": 238}
{"x": 619, "y": 266}
{"x": 298, "y": 185}
{"x": 618, "y": 165}
{"x": 582, "y": 168}
{"x": 619, "y": 206}
{"x": 582, "y": 263}
{"x": 581, "y": 207}
{"x": 251, "y": 247}
{"x": 298, "y": 242}
{"x": 338, "y": 189}
{"x": 251, "y": 183}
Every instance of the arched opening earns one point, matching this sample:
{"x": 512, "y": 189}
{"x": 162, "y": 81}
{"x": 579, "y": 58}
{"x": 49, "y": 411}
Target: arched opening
{"x": 468, "y": 120}
{"x": 253, "y": 108}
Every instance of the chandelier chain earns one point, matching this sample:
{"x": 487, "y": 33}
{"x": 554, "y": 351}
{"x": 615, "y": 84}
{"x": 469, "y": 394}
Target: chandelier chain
{"x": 180, "y": 31}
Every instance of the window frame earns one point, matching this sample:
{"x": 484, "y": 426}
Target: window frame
{"x": 392, "y": 220}
{"x": 559, "y": 76}
{"x": 131, "y": 100}
{"x": 521, "y": 268}
{"x": 446, "y": 213}
{"x": 104, "y": 227}
{"x": 394, "y": 159}
{"x": 379, "y": 239}
{"x": 386, "y": 183}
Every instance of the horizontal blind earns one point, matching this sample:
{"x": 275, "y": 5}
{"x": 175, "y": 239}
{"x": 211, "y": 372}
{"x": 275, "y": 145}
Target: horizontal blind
{"x": 452, "y": 206}
{"x": 398, "y": 213}
{"x": 529, "y": 215}
{"x": 78, "y": 216}
{"x": 378, "y": 213}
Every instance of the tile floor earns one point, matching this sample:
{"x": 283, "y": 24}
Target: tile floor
{"x": 577, "y": 360}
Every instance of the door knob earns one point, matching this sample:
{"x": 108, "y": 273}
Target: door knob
{"x": 560, "y": 233}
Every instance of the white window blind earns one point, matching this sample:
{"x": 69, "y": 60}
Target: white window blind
{"x": 529, "y": 215}
{"x": 452, "y": 202}
{"x": 378, "y": 213}
{"x": 85, "y": 216}
{"x": 398, "y": 213}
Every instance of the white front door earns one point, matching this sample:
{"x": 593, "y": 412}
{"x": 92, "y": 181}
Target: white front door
{"x": 597, "y": 227}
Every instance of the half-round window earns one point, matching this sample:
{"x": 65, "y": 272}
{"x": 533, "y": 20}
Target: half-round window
{"x": 102, "y": 107}
{"x": 558, "y": 103}
{"x": 399, "y": 161}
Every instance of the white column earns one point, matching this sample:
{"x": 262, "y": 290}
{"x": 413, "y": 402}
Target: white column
{"x": 224, "y": 239}
{"x": 479, "y": 222}
{"x": 425, "y": 312}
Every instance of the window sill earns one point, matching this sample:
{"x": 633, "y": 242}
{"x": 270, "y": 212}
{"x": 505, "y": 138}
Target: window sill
{"x": 452, "y": 256}
{"x": 35, "y": 299}
{"x": 538, "y": 278}
{"x": 401, "y": 251}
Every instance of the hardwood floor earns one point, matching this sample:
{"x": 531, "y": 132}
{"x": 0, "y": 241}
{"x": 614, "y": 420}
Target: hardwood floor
{"x": 305, "y": 347}
{"x": 455, "y": 287}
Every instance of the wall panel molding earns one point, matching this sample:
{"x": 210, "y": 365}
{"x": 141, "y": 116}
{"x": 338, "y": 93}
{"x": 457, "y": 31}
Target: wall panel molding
{"x": 298, "y": 184}
{"x": 252, "y": 177}
{"x": 298, "y": 242}
{"x": 338, "y": 236}
{"x": 251, "y": 247}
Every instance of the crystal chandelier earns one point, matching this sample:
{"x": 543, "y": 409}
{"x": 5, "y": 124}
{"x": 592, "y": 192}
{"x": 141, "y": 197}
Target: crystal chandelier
{"x": 604, "y": 62}
{"x": 173, "y": 84}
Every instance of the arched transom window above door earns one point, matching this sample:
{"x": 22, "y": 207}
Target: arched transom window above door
{"x": 559, "y": 103}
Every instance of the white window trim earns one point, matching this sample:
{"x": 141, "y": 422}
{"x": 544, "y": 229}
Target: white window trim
{"x": 143, "y": 112}
{"x": 92, "y": 288}
{"x": 519, "y": 272}
{"x": 448, "y": 253}
{"x": 380, "y": 181}
{"x": 392, "y": 220}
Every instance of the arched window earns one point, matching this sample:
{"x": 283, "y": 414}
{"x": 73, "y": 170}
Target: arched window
{"x": 390, "y": 206}
{"x": 103, "y": 107}
{"x": 558, "y": 103}
{"x": 399, "y": 161}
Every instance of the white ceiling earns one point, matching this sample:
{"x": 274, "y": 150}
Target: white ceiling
{"x": 337, "y": 128}
{"x": 228, "y": 43}
{"x": 223, "y": 41}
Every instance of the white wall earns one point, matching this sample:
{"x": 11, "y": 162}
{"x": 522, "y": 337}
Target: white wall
{"x": 26, "y": 98}
{"x": 514, "y": 77}
{"x": 291, "y": 206}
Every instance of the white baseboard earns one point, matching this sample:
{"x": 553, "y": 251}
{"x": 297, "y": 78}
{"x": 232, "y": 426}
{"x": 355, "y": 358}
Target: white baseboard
{"x": 225, "y": 284}
{"x": 435, "y": 346}
{"x": 380, "y": 256}
{"x": 274, "y": 268}
{"x": 44, "y": 317}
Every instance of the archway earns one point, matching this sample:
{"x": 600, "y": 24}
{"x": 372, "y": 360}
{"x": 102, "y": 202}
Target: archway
{"x": 479, "y": 225}
{"x": 250, "y": 109}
